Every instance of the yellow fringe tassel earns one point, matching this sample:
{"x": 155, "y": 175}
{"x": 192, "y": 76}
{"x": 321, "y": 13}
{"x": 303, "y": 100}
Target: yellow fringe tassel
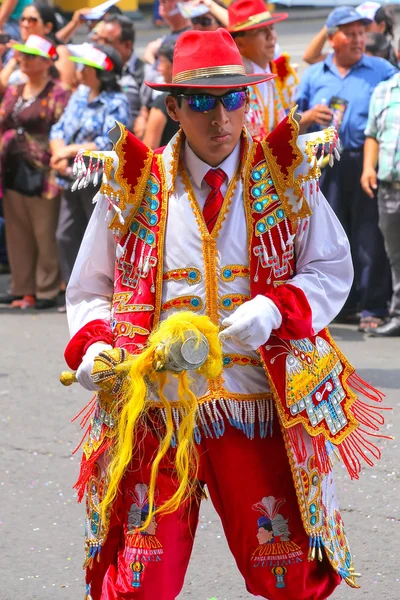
{"x": 133, "y": 407}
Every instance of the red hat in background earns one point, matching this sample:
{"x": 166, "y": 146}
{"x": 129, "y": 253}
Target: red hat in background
{"x": 207, "y": 59}
{"x": 251, "y": 14}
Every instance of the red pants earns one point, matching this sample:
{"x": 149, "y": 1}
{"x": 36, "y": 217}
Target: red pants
{"x": 251, "y": 487}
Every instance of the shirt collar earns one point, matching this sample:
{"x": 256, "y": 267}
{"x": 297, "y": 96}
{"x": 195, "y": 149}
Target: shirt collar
{"x": 130, "y": 64}
{"x": 394, "y": 81}
{"x": 258, "y": 69}
{"x": 198, "y": 169}
{"x": 363, "y": 62}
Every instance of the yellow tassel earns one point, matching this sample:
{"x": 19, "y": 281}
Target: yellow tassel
{"x": 134, "y": 406}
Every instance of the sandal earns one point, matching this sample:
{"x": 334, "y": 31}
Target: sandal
{"x": 24, "y": 303}
{"x": 369, "y": 323}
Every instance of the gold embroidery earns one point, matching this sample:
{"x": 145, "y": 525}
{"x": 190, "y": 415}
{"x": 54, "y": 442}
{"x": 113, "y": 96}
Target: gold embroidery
{"x": 132, "y": 197}
{"x": 209, "y": 243}
{"x": 191, "y": 275}
{"x": 283, "y": 183}
{"x": 208, "y": 72}
{"x": 232, "y": 360}
{"x": 126, "y": 329}
{"x": 194, "y": 303}
{"x": 231, "y": 301}
{"x": 122, "y": 300}
{"x": 161, "y": 237}
{"x": 221, "y": 395}
{"x": 230, "y": 272}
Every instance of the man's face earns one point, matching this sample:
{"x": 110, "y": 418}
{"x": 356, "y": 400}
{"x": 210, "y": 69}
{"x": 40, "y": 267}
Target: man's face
{"x": 212, "y": 136}
{"x": 258, "y": 45}
{"x": 110, "y": 34}
{"x": 167, "y": 7}
{"x": 349, "y": 43}
{"x": 164, "y": 67}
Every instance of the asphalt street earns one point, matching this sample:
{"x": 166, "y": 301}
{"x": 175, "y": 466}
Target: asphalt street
{"x": 41, "y": 524}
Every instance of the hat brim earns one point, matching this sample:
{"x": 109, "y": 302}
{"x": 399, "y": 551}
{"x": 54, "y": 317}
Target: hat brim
{"x": 363, "y": 20}
{"x": 215, "y": 81}
{"x": 275, "y": 18}
{"x": 85, "y": 61}
{"x": 28, "y": 50}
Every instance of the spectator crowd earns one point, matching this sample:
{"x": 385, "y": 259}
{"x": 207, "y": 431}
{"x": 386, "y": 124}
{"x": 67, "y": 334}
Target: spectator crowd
{"x": 58, "y": 97}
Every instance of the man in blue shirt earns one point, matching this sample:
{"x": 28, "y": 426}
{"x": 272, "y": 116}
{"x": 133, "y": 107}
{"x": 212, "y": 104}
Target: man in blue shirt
{"x": 338, "y": 91}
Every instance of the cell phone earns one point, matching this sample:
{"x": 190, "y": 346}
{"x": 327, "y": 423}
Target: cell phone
{"x": 4, "y": 38}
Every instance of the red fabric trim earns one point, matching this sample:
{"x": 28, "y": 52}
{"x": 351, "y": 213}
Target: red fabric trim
{"x": 282, "y": 67}
{"x": 98, "y": 330}
{"x": 295, "y": 310}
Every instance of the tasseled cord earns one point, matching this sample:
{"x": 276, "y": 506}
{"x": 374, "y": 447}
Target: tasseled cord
{"x": 133, "y": 407}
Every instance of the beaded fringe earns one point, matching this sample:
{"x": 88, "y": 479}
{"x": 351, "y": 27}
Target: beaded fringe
{"x": 243, "y": 415}
{"x": 316, "y": 543}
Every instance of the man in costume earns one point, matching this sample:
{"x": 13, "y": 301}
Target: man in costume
{"x": 236, "y": 230}
{"x": 252, "y": 27}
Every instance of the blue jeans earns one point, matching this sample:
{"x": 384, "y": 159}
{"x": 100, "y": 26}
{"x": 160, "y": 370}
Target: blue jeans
{"x": 358, "y": 214}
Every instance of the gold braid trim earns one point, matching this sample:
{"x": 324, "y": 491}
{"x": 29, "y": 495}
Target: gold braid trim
{"x": 132, "y": 197}
{"x": 208, "y": 72}
{"x": 161, "y": 238}
{"x": 209, "y": 242}
{"x": 281, "y": 182}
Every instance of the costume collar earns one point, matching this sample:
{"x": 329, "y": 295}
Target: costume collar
{"x": 172, "y": 153}
{"x": 198, "y": 168}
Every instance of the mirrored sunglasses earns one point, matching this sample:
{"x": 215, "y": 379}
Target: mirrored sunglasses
{"x": 204, "y": 21}
{"x": 204, "y": 103}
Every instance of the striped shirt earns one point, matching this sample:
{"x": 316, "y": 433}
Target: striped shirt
{"x": 384, "y": 126}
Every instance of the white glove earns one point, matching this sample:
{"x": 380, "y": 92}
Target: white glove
{"x": 251, "y": 324}
{"x": 83, "y": 374}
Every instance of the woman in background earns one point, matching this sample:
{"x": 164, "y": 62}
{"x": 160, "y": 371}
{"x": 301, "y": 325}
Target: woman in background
{"x": 30, "y": 193}
{"x": 38, "y": 19}
{"x": 87, "y": 119}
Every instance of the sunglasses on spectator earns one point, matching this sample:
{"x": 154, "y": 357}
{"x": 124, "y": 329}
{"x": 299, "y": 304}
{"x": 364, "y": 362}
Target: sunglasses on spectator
{"x": 202, "y": 20}
{"x": 204, "y": 103}
{"x": 31, "y": 20}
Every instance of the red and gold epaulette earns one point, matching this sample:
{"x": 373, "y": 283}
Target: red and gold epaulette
{"x": 292, "y": 159}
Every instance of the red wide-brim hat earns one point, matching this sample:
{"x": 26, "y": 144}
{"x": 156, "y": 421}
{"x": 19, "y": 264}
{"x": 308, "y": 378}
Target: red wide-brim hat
{"x": 251, "y": 14}
{"x": 208, "y": 59}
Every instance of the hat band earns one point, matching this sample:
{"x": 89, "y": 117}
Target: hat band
{"x": 208, "y": 72}
{"x": 253, "y": 20}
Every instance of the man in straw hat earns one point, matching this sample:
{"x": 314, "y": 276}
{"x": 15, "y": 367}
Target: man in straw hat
{"x": 252, "y": 27}
{"x": 220, "y": 225}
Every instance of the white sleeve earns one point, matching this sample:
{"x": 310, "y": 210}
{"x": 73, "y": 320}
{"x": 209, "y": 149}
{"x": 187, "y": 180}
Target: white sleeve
{"x": 324, "y": 269}
{"x": 90, "y": 289}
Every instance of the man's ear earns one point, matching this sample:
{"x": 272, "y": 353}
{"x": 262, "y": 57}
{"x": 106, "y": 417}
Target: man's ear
{"x": 172, "y": 107}
{"x": 247, "y": 104}
{"x": 331, "y": 41}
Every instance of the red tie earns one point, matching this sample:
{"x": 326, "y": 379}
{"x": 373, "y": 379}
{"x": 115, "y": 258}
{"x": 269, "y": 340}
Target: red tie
{"x": 215, "y": 178}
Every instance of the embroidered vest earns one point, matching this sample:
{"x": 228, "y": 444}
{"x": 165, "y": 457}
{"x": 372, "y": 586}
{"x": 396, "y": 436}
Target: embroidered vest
{"x": 310, "y": 379}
